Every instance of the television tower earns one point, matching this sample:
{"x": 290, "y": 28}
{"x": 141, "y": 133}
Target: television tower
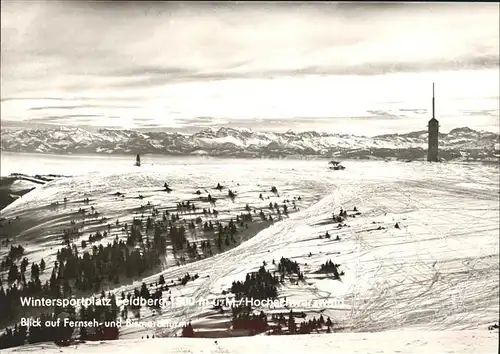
{"x": 433, "y": 130}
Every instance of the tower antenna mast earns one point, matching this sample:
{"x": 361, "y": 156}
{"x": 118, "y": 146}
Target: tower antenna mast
{"x": 433, "y": 102}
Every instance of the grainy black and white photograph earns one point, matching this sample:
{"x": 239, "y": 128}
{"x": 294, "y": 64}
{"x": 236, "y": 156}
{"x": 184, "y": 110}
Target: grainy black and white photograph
{"x": 208, "y": 177}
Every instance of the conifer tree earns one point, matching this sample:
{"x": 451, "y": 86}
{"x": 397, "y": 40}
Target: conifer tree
{"x": 292, "y": 327}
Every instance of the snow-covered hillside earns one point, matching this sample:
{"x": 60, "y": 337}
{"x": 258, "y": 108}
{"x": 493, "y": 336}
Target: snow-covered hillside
{"x": 437, "y": 272}
{"x": 460, "y": 143}
{"x": 390, "y": 342}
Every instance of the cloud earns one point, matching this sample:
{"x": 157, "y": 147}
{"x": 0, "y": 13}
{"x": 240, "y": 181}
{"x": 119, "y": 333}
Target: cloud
{"x": 205, "y": 40}
{"x": 157, "y": 76}
{"x": 64, "y": 117}
{"x": 82, "y": 107}
{"x": 185, "y": 60}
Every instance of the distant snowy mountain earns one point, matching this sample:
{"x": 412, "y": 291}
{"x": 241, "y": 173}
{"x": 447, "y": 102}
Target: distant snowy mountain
{"x": 460, "y": 143}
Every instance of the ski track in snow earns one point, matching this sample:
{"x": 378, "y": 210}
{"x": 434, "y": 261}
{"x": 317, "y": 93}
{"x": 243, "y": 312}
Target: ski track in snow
{"x": 390, "y": 342}
{"x": 438, "y": 271}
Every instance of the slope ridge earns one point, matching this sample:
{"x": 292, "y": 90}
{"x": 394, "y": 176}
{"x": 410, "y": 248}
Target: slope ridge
{"x": 438, "y": 271}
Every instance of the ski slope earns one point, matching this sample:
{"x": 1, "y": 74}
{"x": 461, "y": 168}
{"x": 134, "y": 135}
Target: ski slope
{"x": 390, "y": 342}
{"x": 439, "y": 271}
{"x": 437, "y": 274}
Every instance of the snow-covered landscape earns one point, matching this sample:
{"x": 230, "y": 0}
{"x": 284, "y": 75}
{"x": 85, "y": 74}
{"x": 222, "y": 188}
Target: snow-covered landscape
{"x": 249, "y": 177}
{"x": 404, "y": 342}
{"x": 432, "y": 282}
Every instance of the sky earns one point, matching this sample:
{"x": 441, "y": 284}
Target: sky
{"x": 364, "y": 68}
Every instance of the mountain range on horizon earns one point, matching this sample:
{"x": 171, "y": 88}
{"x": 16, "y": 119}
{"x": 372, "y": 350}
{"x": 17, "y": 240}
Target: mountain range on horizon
{"x": 459, "y": 143}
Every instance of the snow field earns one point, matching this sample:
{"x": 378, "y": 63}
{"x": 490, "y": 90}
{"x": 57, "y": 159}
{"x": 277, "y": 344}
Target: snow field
{"x": 438, "y": 272}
